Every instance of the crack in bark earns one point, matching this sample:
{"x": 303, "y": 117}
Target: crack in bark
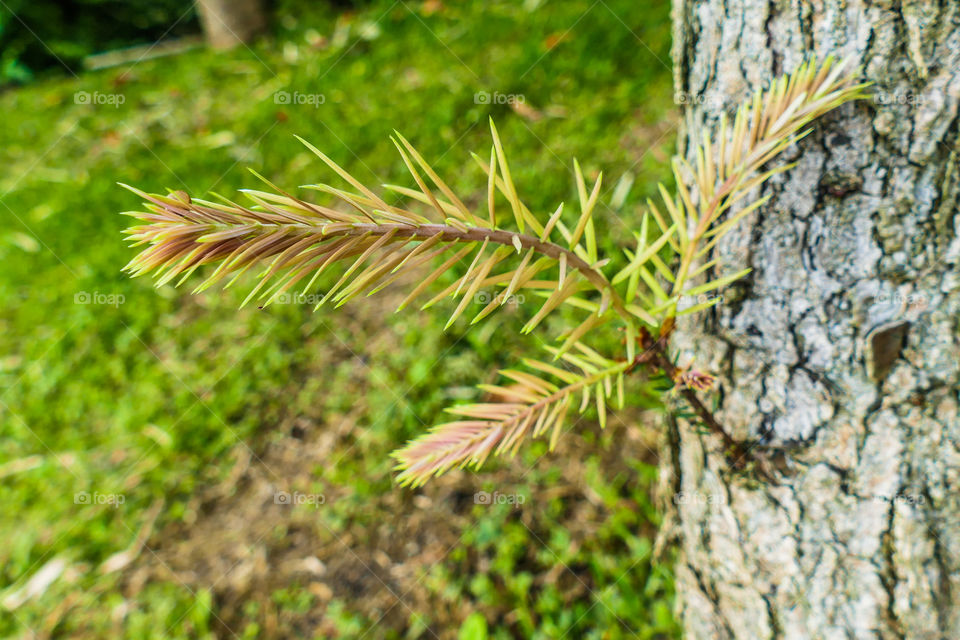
{"x": 945, "y": 601}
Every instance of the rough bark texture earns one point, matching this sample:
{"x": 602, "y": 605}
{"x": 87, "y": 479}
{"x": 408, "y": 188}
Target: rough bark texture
{"x": 840, "y": 353}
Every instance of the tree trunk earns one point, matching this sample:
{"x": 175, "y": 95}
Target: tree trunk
{"x": 839, "y": 353}
{"x": 227, "y": 23}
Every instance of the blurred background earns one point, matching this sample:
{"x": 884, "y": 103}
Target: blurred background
{"x": 145, "y": 434}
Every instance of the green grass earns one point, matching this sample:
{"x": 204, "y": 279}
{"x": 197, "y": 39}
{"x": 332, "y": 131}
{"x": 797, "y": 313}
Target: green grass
{"x": 154, "y": 398}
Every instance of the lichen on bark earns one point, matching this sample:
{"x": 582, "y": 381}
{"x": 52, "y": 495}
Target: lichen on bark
{"x": 840, "y": 354}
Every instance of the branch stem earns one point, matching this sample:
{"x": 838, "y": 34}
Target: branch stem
{"x": 497, "y": 236}
{"x": 656, "y": 355}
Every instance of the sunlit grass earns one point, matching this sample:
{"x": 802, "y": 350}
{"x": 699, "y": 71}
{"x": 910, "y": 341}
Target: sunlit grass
{"x": 108, "y": 388}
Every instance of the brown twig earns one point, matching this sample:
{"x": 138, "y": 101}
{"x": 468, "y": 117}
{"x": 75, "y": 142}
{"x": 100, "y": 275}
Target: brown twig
{"x": 655, "y": 353}
{"x": 736, "y": 448}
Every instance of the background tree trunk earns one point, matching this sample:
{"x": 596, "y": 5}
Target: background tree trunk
{"x": 227, "y": 23}
{"x": 840, "y": 352}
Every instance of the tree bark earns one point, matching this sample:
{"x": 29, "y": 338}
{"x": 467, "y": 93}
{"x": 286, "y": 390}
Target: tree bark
{"x": 228, "y": 23}
{"x": 839, "y": 354}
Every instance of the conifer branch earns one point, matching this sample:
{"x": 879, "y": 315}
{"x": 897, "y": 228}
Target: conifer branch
{"x": 727, "y": 162}
{"x": 532, "y": 405}
{"x": 292, "y": 240}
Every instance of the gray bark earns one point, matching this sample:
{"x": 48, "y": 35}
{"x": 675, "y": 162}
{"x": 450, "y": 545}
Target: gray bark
{"x": 840, "y": 352}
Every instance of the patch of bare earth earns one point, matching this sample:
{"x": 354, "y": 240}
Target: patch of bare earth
{"x": 243, "y": 545}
